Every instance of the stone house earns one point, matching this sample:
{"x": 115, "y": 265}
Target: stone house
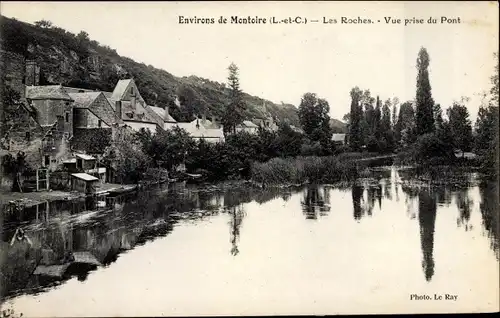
{"x": 127, "y": 101}
{"x": 94, "y": 121}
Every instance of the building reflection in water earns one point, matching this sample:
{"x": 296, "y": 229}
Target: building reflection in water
{"x": 316, "y": 201}
{"x": 427, "y": 220}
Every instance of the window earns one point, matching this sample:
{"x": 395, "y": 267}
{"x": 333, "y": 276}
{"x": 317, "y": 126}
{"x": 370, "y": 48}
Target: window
{"x": 67, "y": 117}
{"x": 132, "y": 91}
{"x": 99, "y": 123}
{"x": 47, "y": 161}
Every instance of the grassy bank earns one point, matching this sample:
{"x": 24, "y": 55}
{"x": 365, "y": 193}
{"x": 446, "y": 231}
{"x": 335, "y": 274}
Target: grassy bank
{"x": 300, "y": 170}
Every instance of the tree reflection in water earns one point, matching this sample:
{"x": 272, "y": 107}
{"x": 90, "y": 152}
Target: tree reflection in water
{"x": 489, "y": 208}
{"x": 464, "y": 205}
{"x": 237, "y": 214}
{"x": 357, "y": 196}
{"x": 427, "y": 220}
{"x": 316, "y": 201}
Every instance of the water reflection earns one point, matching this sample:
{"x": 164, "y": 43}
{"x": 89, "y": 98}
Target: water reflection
{"x": 427, "y": 221}
{"x": 489, "y": 208}
{"x": 237, "y": 214}
{"x": 59, "y": 230}
{"x": 464, "y": 206}
{"x": 315, "y": 202}
{"x": 357, "y": 196}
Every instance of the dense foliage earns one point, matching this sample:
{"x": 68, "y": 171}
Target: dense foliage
{"x": 76, "y": 60}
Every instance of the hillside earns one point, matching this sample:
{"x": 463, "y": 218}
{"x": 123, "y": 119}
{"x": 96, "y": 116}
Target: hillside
{"x": 338, "y": 126}
{"x": 75, "y": 60}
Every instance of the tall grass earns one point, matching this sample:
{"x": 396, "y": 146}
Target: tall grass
{"x": 302, "y": 170}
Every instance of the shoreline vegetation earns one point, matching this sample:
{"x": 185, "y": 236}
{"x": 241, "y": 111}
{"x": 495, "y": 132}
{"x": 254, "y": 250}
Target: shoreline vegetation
{"x": 377, "y": 132}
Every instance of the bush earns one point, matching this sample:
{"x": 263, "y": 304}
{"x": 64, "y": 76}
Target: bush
{"x": 301, "y": 170}
{"x": 429, "y": 149}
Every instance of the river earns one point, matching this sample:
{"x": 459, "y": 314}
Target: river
{"x": 372, "y": 247}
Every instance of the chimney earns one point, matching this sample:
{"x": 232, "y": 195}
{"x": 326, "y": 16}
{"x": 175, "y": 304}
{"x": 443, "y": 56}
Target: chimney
{"x": 118, "y": 109}
{"x": 204, "y": 119}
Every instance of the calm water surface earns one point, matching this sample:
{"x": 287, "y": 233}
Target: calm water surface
{"x": 314, "y": 250}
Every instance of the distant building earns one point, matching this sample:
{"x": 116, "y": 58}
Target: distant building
{"x": 248, "y": 127}
{"x": 339, "y": 139}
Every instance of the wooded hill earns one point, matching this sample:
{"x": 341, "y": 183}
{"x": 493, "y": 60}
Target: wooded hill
{"x": 77, "y": 61}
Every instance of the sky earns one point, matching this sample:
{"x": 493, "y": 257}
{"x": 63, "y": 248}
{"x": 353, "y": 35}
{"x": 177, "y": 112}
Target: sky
{"x": 281, "y": 62}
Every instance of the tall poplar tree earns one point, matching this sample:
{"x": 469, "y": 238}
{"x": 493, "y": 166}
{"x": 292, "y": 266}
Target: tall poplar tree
{"x": 233, "y": 114}
{"x": 424, "y": 101}
{"x": 355, "y": 116}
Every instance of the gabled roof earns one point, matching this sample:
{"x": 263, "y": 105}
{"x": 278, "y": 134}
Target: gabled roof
{"x": 84, "y": 100}
{"x": 154, "y": 116}
{"x": 47, "y": 92}
{"x": 121, "y": 88}
{"x": 161, "y": 112}
{"x": 108, "y": 94}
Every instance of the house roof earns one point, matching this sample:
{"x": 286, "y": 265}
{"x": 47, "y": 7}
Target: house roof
{"x": 47, "y": 92}
{"x": 154, "y": 116}
{"x": 249, "y": 124}
{"x": 108, "y": 94}
{"x": 199, "y": 131}
{"x": 84, "y": 176}
{"x": 120, "y": 88}
{"x": 76, "y": 90}
{"x": 84, "y": 100}
{"x": 161, "y": 112}
{"x": 84, "y": 156}
{"x": 338, "y": 137}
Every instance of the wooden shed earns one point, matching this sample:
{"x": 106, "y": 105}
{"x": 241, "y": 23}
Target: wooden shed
{"x": 83, "y": 182}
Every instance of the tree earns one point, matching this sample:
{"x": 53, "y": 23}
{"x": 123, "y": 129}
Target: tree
{"x": 368, "y": 118}
{"x": 486, "y": 126}
{"x": 460, "y": 125}
{"x": 233, "y": 114}
{"x": 377, "y": 132}
{"x": 438, "y": 117}
{"x": 43, "y": 24}
{"x": 395, "y": 102}
{"x": 424, "y": 101}
{"x": 495, "y": 89}
{"x": 386, "y": 128}
{"x": 126, "y": 157}
{"x": 83, "y": 36}
{"x": 405, "y": 129}
{"x": 315, "y": 119}
{"x": 355, "y": 116}
{"x": 167, "y": 148}
{"x": 288, "y": 141}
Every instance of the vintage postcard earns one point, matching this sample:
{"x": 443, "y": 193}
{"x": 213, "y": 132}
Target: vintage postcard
{"x": 248, "y": 158}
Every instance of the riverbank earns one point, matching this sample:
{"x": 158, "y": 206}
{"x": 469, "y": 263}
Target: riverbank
{"x": 27, "y": 199}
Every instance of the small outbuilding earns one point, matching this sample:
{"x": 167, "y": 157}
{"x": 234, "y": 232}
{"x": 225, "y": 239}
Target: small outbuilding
{"x": 83, "y": 182}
